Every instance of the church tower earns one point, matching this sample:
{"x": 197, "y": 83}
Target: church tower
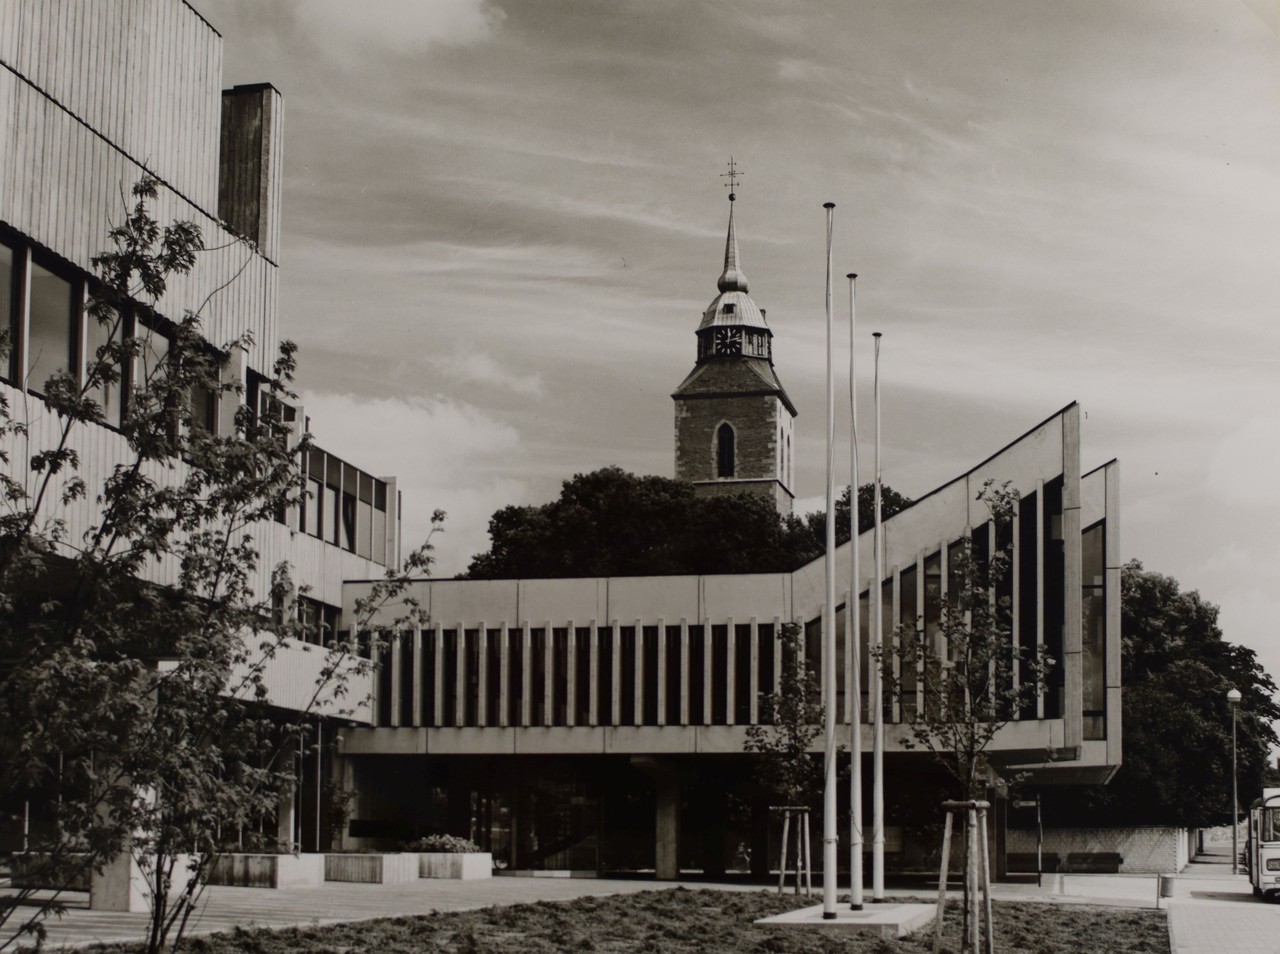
{"x": 734, "y": 421}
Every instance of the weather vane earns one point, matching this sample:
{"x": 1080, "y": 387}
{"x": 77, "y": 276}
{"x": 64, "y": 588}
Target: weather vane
{"x": 733, "y": 175}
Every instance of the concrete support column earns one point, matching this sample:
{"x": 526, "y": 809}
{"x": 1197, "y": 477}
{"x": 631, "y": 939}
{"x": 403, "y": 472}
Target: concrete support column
{"x": 667, "y": 826}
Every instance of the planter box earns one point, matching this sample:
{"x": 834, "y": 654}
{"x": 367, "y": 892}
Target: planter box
{"x": 372, "y": 869}
{"x": 465, "y": 866}
{"x": 268, "y": 871}
{"x": 34, "y": 870}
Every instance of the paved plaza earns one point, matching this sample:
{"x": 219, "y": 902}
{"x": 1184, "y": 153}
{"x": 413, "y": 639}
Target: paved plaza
{"x": 1211, "y": 911}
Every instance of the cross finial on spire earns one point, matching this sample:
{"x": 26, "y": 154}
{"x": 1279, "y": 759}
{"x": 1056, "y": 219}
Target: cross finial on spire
{"x": 732, "y": 175}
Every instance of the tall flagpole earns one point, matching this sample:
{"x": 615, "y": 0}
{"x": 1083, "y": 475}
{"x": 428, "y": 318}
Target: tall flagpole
{"x": 829, "y": 625}
{"x": 853, "y": 613}
{"x": 877, "y": 682}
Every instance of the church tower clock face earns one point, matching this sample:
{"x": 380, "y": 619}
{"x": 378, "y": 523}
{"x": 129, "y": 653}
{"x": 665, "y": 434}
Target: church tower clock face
{"x": 729, "y": 341}
{"x": 733, "y": 417}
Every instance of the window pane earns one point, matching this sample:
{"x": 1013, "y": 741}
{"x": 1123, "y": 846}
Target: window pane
{"x": 6, "y": 302}
{"x": 52, "y": 320}
{"x": 313, "y": 505}
{"x": 348, "y": 521}
{"x": 107, "y": 393}
{"x": 155, "y": 353}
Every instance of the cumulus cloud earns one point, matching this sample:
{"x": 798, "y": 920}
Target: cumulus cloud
{"x": 445, "y": 454}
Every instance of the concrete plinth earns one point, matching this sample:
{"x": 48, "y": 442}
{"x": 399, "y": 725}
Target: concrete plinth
{"x": 882, "y": 920}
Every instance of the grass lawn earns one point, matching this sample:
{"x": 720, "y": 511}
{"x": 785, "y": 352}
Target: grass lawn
{"x": 684, "y": 922}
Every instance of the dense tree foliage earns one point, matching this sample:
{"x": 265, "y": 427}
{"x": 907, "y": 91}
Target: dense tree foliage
{"x": 890, "y": 503}
{"x": 612, "y": 523}
{"x": 1177, "y": 671}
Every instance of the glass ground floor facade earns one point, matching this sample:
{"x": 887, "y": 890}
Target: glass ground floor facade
{"x": 604, "y": 815}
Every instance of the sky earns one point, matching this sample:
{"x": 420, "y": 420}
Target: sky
{"x": 502, "y": 221}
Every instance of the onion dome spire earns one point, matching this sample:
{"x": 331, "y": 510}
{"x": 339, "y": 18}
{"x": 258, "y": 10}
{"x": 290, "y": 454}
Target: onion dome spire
{"x": 732, "y": 278}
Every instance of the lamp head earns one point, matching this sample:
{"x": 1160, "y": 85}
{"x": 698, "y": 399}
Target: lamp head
{"x": 1234, "y": 697}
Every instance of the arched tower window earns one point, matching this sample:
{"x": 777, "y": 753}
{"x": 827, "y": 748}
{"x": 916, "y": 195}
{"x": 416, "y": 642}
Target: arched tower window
{"x": 788, "y": 461}
{"x": 724, "y": 451}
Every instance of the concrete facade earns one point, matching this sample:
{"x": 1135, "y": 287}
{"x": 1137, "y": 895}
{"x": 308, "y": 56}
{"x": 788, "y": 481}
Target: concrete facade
{"x": 650, "y": 683}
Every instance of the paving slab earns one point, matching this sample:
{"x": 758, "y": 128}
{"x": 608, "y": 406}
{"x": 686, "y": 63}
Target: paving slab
{"x": 883, "y": 920}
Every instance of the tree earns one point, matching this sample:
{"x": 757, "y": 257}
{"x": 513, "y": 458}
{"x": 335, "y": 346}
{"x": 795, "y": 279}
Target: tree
{"x": 612, "y": 523}
{"x": 891, "y": 502}
{"x": 1176, "y": 669}
{"x": 958, "y": 691}
{"x": 134, "y": 699}
{"x": 791, "y": 719}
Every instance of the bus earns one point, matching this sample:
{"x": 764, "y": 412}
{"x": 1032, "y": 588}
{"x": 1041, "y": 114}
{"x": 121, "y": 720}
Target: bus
{"x": 1262, "y": 847}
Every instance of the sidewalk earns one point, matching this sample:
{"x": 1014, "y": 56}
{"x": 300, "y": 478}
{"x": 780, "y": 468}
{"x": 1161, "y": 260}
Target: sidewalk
{"x": 1211, "y": 911}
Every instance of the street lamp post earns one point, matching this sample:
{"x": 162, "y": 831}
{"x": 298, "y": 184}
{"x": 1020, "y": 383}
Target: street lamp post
{"x": 1234, "y": 697}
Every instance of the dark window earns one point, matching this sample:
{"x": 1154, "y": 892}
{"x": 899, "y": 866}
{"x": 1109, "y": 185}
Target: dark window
{"x": 428, "y": 663}
{"x": 1028, "y": 604}
{"x": 451, "y": 648}
{"x": 604, "y": 674}
{"x": 697, "y": 701}
{"x": 719, "y": 675}
{"x": 909, "y": 620}
{"x": 627, "y": 676}
{"x": 1093, "y": 578}
{"x": 724, "y": 451}
{"x": 742, "y": 674}
{"x": 364, "y": 516}
{"x": 675, "y": 690}
{"x": 8, "y": 305}
{"x": 1054, "y": 594}
{"x": 560, "y": 700}
{"x": 493, "y": 676}
{"x": 537, "y": 675}
{"x": 471, "y": 650}
{"x": 764, "y": 632}
{"x": 649, "y": 675}
{"x": 52, "y": 315}
{"x": 384, "y": 686}
{"x": 515, "y": 675}
{"x": 379, "y": 521}
{"x": 108, "y": 394}
{"x": 404, "y": 647}
{"x": 582, "y": 675}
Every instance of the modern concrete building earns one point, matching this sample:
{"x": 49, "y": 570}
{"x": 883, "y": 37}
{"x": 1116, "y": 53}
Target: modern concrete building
{"x": 93, "y": 97}
{"x": 599, "y": 724}
{"x": 577, "y": 724}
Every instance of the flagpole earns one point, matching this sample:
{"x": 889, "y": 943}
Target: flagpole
{"x": 829, "y": 627}
{"x": 853, "y": 613}
{"x": 877, "y": 681}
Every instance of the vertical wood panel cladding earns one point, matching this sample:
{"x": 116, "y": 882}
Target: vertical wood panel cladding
{"x": 65, "y": 188}
{"x": 101, "y": 449}
{"x": 143, "y": 73}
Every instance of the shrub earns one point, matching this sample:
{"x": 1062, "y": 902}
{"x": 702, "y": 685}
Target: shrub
{"x": 442, "y": 843}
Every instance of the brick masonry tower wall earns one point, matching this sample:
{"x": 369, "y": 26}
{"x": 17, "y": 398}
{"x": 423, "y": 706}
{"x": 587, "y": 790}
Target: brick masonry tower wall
{"x": 755, "y": 421}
